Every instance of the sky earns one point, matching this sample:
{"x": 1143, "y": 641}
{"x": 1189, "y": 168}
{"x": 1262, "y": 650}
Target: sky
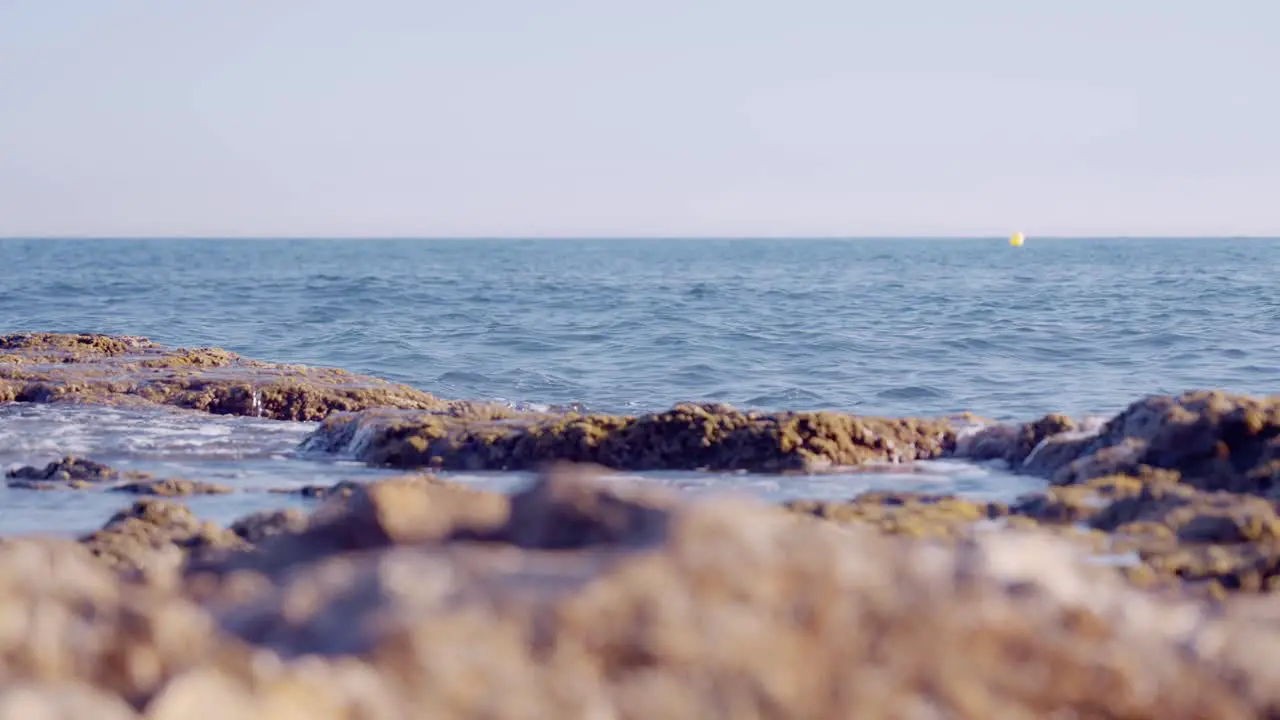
{"x": 639, "y": 118}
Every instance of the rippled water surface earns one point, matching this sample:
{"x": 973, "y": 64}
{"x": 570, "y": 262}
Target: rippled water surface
{"x": 898, "y": 327}
{"x": 890, "y": 326}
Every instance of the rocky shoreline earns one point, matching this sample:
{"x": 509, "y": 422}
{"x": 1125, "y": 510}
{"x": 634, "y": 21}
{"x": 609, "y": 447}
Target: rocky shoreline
{"x": 1136, "y": 585}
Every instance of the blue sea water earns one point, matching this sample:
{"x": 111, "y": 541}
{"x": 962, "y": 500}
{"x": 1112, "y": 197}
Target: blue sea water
{"x": 891, "y": 326}
{"x": 878, "y": 326}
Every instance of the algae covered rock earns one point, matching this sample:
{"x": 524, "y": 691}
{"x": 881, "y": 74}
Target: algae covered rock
{"x": 69, "y": 347}
{"x": 687, "y": 437}
{"x": 102, "y": 369}
{"x": 903, "y": 513}
{"x": 152, "y": 538}
{"x": 1212, "y": 440}
{"x": 1174, "y": 533}
{"x": 1216, "y": 441}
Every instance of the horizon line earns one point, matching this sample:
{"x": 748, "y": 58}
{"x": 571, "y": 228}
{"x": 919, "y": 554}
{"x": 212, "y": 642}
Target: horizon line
{"x": 636, "y": 237}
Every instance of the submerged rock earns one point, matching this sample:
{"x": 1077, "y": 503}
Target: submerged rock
{"x": 67, "y": 470}
{"x": 81, "y": 474}
{"x": 342, "y": 488}
{"x": 904, "y": 513}
{"x": 347, "y": 488}
{"x": 172, "y": 487}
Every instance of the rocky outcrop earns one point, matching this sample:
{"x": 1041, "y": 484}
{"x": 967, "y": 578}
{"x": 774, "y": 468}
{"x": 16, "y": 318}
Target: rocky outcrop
{"x": 1129, "y": 588}
{"x": 1211, "y": 440}
{"x": 687, "y": 437}
{"x": 579, "y": 598}
{"x": 397, "y": 426}
{"x": 103, "y": 369}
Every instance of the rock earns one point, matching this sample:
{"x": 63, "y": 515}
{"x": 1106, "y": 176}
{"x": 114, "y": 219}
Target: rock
{"x": 1014, "y": 444}
{"x": 61, "y": 701}
{"x": 54, "y": 485}
{"x": 570, "y": 507}
{"x": 172, "y": 487}
{"x": 58, "y": 347}
{"x": 69, "y": 469}
{"x": 1081, "y": 503}
{"x": 267, "y": 523}
{"x": 1213, "y": 440}
{"x": 65, "y": 617}
{"x": 1210, "y": 440}
{"x": 101, "y": 369}
{"x": 904, "y": 513}
{"x": 585, "y": 597}
{"x": 415, "y": 509}
{"x": 312, "y": 690}
{"x": 1177, "y": 535}
{"x": 152, "y": 539}
{"x": 741, "y": 611}
{"x": 687, "y": 437}
{"x": 344, "y": 489}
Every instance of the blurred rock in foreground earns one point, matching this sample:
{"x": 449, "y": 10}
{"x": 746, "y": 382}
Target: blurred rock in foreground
{"x": 587, "y": 599}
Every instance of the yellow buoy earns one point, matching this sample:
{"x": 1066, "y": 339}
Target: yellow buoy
{"x": 1017, "y": 239}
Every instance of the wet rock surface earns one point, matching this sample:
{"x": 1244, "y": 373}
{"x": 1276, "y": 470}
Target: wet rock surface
{"x": 398, "y": 426}
{"x": 76, "y": 473}
{"x": 1184, "y": 486}
{"x": 72, "y": 471}
{"x": 172, "y": 487}
{"x": 582, "y": 598}
{"x": 1212, "y": 440}
{"x": 102, "y": 369}
{"x": 911, "y": 514}
{"x": 687, "y": 437}
{"x": 346, "y": 488}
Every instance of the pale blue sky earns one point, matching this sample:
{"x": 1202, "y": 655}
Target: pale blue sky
{"x": 645, "y": 117}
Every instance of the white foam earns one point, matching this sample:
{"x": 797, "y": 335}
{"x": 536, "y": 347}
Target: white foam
{"x": 34, "y": 433}
{"x": 1089, "y": 427}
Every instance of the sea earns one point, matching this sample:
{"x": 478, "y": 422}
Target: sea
{"x": 882, "y": 326}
